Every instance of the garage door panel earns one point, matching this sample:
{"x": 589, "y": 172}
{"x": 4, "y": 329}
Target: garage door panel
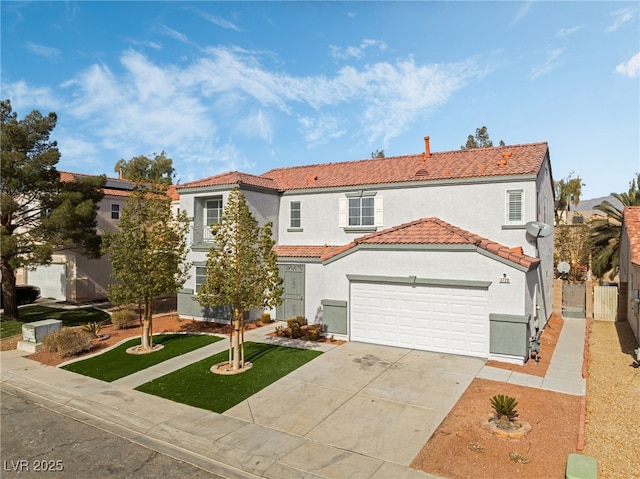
{"x": 449, "y": 320}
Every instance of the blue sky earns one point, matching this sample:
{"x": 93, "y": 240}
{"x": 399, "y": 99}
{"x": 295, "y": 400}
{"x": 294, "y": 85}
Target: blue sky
{"x": 251, "y": 86}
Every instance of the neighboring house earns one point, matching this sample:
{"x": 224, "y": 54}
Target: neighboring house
{"x": 71, "y": 276}
{"x": 426, "y": 251}
{"x": 630, "y": 267}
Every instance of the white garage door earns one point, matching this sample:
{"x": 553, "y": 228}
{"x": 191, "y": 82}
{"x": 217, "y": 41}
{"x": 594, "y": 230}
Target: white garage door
{"x": 443, "y": 319}
{"x": 51, "y": 280}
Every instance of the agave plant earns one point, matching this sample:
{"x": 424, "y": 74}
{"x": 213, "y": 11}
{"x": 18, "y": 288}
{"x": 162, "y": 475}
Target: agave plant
{"x": 505, "y": 409}
{"x": 93, "y": 328}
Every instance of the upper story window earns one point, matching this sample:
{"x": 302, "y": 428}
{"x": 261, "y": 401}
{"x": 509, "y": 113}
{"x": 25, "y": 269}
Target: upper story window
{"x": 515, "y": 207}
{"x": 115, "y": 211}
{"x": 295, "y": 215}
{"x": 213, "y": 215}
{"x": 361, "y": 211}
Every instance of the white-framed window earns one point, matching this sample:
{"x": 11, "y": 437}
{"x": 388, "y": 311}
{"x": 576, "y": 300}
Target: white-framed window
{"x": 212, "y": 215}
{"x": 295, "y": 218}
{"x": 115, "y": 211}
{"x": 201, "y": 276}
{"x": 360, "y": 211}
{"x": 515, "y": 207}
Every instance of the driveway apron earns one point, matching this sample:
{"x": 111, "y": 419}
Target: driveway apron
{"x": 379, "y": 401}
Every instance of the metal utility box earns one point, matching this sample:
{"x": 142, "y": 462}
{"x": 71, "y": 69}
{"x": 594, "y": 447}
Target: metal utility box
{"x": 34, "y": 332}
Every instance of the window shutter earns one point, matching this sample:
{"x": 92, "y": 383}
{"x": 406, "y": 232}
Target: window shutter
{"x": 342, "y": 213}
{"x": 514, "y": 206}
{"x": 378, "y": 216}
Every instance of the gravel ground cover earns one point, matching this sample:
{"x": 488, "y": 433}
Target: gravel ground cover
{"x": 612, "y": 426}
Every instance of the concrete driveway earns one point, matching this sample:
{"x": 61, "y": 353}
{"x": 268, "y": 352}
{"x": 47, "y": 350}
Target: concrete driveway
{"x": 379, "y": 401}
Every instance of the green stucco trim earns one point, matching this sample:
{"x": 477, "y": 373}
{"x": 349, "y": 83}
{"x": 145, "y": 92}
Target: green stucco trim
{"x": 514, "y": 227}
{"x": 509, "y": 318}
{"x": 414, "y": 280}
{"x": 333, "y": 302}
{"x": 296, "y": 259}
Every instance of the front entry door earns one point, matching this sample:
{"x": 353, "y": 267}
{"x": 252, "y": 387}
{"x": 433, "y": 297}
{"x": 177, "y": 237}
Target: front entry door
{"x": 293, "y": 283}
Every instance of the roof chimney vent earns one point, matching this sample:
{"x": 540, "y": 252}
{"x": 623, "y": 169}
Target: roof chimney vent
{"x": 427, "y": 147}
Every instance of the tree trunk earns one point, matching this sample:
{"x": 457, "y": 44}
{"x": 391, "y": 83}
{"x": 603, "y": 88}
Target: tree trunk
{"x": 9, "y": 298}
{"x": 147, "y": 325}
{"x": 236, "y": 338}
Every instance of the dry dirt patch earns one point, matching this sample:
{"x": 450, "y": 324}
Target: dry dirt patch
{"x": 460, "y": 448}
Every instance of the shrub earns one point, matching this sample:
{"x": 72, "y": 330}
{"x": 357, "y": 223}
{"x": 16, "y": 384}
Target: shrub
{"x": 93, "y": 328}
{"x": 283, "y": 332}
{"x": 314, "y": 333}
{"x": 504, "y": 406}
{"x": 124, "y": 318}
{"x": 265, "y": 318}
{"x": 68, "y": 341}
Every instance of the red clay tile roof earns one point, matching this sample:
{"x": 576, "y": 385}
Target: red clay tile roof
{"x": 301, "y": 251}
{"x": 472, "y": 163}
{"x": 231, "y": 178}
{"x": 426, "y": 231}
{"x": 631, "y": 220}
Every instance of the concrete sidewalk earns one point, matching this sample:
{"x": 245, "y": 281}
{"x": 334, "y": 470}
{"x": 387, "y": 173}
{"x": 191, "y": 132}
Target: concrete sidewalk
{"x": 565, "y": 368}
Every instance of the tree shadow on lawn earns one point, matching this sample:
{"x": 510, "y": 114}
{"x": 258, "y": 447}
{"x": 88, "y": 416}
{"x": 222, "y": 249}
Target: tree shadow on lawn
{"x": 195, "y": 385}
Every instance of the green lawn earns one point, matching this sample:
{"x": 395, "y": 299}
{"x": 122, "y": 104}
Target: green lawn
{"x": 69, "y": 317}
{"x": 116, "y": 363}
{"x": 197, "y": 386}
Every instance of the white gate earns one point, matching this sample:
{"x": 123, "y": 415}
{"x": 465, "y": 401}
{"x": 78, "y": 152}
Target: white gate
{"x": 605, "y": 303}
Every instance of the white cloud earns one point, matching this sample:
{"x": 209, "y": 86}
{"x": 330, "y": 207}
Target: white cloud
{"x": 631, "y": 68}
{"x": 552, "y": 62}
{"x": 43, "y": 51}
{"x": 258, "y": 125}
{"x": 145, "y": 107}
{"x": 620, "y": 17}
{"x": 565, "y": 32}
{"x": 26, "y": 97}
{"x": 522, "y": 12}
{"x": 221, "y": 22}
{"x": 176, "y": 35}
{"x": 319, "y": 131}
{"x": 357, "y": 51}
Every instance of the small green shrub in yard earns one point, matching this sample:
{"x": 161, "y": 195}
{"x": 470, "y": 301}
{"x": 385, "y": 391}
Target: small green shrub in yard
{"x": 265, "y": 318}
{"x": 124, "y": 318}
{"x": 505, "y": 408}
{"x": 68, "y": 341}
{"x": 93, "y": 328}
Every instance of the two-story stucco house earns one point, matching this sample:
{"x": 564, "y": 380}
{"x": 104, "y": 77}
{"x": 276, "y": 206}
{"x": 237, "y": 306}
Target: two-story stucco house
{"x": 427, "y": 251}
{"x": 71, "y": 276}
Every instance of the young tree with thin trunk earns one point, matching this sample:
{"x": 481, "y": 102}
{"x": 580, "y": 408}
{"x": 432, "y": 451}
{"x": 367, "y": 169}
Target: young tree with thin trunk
{"x": 148, "y": 254}
{"x": 39, "y": 213}
{"x": 242, "y": 270}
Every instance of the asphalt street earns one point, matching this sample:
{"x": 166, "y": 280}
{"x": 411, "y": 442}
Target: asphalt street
{"x": 38, "y": 442}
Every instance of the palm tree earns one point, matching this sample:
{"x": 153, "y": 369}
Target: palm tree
{"x": 607, "y": 230}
